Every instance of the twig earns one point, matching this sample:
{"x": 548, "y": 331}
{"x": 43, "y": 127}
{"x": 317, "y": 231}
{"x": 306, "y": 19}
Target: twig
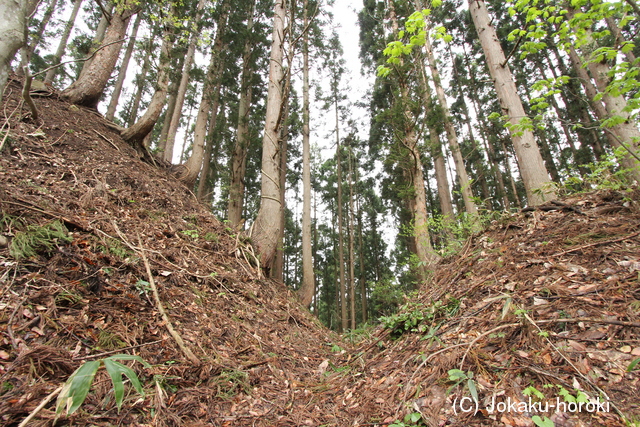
{"x": 482, "y": 335}
{"x": 78, "y": 60}
{"x": 178, "y": 339}
{"x": 42, "y": 404}
{"x": 107, "y": 139}
{"x": 606, "y": 242}
{"x": 25, "y": 92}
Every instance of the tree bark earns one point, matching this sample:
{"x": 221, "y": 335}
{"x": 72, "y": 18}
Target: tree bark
{"x": 265, "y": 229}
{"x": 117, "y": 89}
{"x": 307, "y": 288}
{"x": 135, "y": 134}
{"x": 209, "y": 103}
{"x": 13, "y": 15}
{"x": 344, "y": 321}
{"x": 239, "y": 157}
{"x": 534, "y": 174}
{"x": 27, "y": 50}
{"x": 174, "y": 118}
{"x": 140, "y": 83}
{"x": 62, "y": 46}
{"x": 89, "y": 87}
{"x": 452, "y": 137}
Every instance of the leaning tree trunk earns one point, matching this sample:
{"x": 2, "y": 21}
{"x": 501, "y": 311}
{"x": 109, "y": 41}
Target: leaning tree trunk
{"x": 135, "y": 134}
{"x": 62, "y": 46}
{"x": 117, "y": 90}
{"x": 534, "y": 173}
{"x": 13, "y": 15}
{"x": 265, "y": 229}
{"x": 27, "y": 50}
{"x": 89, "y": 87}
{"x": 174, "y": 118}
{"x": 209, "y": 103}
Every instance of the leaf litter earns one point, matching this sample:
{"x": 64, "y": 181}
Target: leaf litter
{"x": 547, "y": 299}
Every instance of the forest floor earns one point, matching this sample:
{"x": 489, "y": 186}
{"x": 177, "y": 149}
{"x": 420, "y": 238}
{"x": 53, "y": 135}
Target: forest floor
{"x": 548, "y": 299}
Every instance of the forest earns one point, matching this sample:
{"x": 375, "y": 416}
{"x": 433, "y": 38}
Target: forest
{"x": 483, "y": 122}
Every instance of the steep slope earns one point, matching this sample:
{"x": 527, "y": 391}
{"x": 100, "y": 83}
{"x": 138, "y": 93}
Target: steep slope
{"x": 91, "y": 211}
{"x": 547, "y": 299}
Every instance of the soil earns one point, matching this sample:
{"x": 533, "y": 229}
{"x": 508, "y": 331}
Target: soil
{"x": 547, "y": 299}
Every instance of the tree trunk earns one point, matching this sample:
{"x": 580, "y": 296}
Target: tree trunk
{"x": 239, "y": 157}
{"x": 534, "y": 174}
{"x": 99, "y": 36}
{"x": 344, "y": 321}
{"x": 174, "y": 118}
{"x": 435, "y": 149}
{"x": 89, "y": 87}
{"x": 135, "y": 134}
{"x": 117, "y": 89}
{"x": 307, "y": 288}
{"x": 209, "y": 102}
{"x": 352, "y": 261}
{"x": 13, "y": 15}
{"x": 27, "y": 50}
{"x": 619, "y": 133}
{"x": 140, "y": 83}
{"x": 265, "y": 229}
{"x": 62, "y": 46}
{"x": 208, "y": 175}
{"x": 452, "y": 137}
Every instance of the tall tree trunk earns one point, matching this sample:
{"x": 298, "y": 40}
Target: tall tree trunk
{"x": 172, "y": 94}
{"x": 265, "y": 229}
{"x": 239, "y": 157}
{"x": 209, "y": 103}
{"x": 534, "y": 174}
{"x": 363, "y": 279}
{"x": 344, "y": 321}
{"x": 62, "y": 46}
{"x": 435, "y": 149}
{"x": 352, "y": 261}
{"x": 452, "y": 137}
{"x": 278, "y": 268}
{"x": 13, "y": 16}
{"x": 27, "y": 50}
{"x": 619, "y": 133}
{"x": 89, "y": 87}
{"x": 307, "y": 288}
{"x": 117, "y": 89}
{"x": 140, "y": 83}
{"x": 99, "y": 36}
{"x": 135, "y": 134}
{"x": 208, "y": 175}
{"x": 174, "y": 118}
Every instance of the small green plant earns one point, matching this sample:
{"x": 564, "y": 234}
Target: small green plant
{"x": 75, "y": 389}
{"x": 143, "y": 287}
{"x": 212, "y": 237}
{"x": 115, "y": 247}
{"x": 633, "y": 365}
{"x": 542, "y": 422}
{"x": 603, "y": 175}
{"x": 191, "y": 233}
{"x": 533, "y": 392}
{"x": 417, "y": 316}
{"x": 37, "y": 238}
{"x": 458, "y": 377}
{"x": 412, "y": 419}
{"x": 231, "y": 382}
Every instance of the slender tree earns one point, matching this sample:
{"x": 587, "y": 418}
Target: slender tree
{"x": 532, "y": 168}
{"x": 265, "y": 229}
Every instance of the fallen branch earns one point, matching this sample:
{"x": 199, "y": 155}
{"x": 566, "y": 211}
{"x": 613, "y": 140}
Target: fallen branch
{"x": 606, "y": 242}
{"x": 42, "y": 404}
{"x": 177, "y": 338}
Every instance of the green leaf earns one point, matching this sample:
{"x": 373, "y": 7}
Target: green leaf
{"x": 75, "y": 390}
{"x": 633, "y": 365}
{"x": 546, "y": 422}
{"x": 456, "y": 375}
{"x": 130, "y": 357}
{"x": 473, "y": 390}
{"x": 116, "y": 370}
{"x": 436, "y": 3}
